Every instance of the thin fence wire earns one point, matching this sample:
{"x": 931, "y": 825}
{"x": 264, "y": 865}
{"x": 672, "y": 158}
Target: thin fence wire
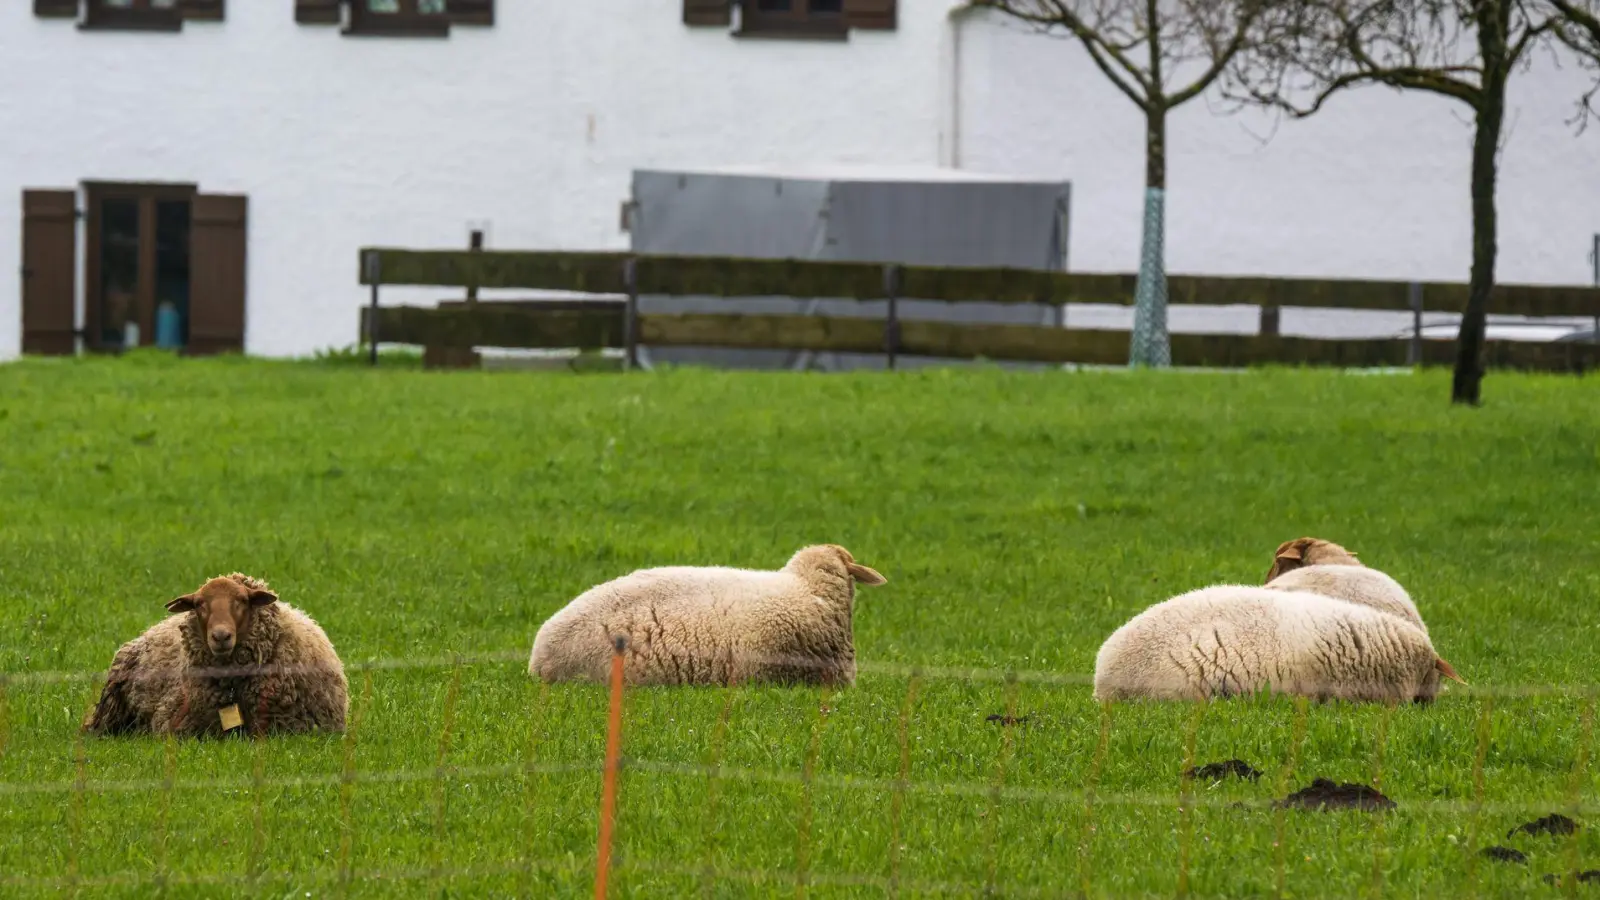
{"x": 1086, "y": 841}
{"x": 1485, "y": 731}
{"x": 898, "y": 794}
{"x": 1580, "y": 772}
{"x": 1280, "y": 816}
{"x": 713, "y": 769}
{"x": 996, "y": 791}
{"x": 24, "y": 680}
{"x": 1186, "y": 800}
{"x": 1379, "y": 746}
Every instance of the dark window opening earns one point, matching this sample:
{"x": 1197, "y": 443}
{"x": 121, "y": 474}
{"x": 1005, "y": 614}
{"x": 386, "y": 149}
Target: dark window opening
{"x": 826, "y": 19}
{"x": 119, "y": 273}
{"x": 416, "y": 18}
{"x": 172, "y": 274}
{"x": 821, "y": 19}
{"x": 138, "y": 262}
{"x": 133, "y": 15}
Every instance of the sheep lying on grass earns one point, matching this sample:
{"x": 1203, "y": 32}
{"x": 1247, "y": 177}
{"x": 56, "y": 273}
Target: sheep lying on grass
{"x": 1323, "y": 567}
{"x": 713, "y": 625}
{"x": 232, "y": 656}
{"x": 1229, "y": 640}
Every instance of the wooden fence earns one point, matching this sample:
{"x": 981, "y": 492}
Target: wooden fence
{"x": 453, "y": 327}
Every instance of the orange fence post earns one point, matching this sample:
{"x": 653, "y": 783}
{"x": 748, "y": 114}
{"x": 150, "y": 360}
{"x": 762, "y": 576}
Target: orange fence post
{"x": 608, "y": 796}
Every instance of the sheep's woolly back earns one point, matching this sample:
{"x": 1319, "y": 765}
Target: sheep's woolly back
{"x": 283, "y": 674}
{"x": 1359, "y": 585}
{"x": 1229, "y": 640}
{"x": 712, "y": 624}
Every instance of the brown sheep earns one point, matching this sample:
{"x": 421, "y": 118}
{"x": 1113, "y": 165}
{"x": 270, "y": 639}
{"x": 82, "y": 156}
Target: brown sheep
{"x": 1309, "y": 551}
{"x": 231, "y": 657}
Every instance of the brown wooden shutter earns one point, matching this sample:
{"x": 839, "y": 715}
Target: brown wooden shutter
{"x": 471, "y": 12}
{"x": 49, "y": 266}
{"x": 707, "y": 12}
{"x": 217, "y": 231}
{"x": 875, "y": 14}
{"x": 318, "y": 12}
{"x": 56, "y": 9}
{"x": 203, "y": 10}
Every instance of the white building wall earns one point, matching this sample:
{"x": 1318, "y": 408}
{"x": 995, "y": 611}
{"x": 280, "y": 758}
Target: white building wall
{"x": 535, "y": 124}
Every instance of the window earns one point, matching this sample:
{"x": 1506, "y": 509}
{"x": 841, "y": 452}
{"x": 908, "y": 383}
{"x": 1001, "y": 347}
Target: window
{"x": 396, "y": 18}
{"x": 164, "y": 267}
{"x": 130, "y": 15}
{"x": 419, "y": 18}
{"x": 793, "y": 18}
{"x": 824, "y": 19}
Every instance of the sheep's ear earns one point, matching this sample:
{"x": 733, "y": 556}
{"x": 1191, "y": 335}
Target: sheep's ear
{"x": 1289, "y": 555}
{"x": 262, "y": 597}
{"x": 1447, "y": 670}
{"x": 865, "y": 574}
{"x": 182, "y": 604}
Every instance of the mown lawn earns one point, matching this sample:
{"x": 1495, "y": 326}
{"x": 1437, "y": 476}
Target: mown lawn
{"x": 1019, "y": 519}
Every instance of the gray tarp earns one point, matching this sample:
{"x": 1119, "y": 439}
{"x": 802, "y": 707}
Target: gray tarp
{"x": 915, "y": 216}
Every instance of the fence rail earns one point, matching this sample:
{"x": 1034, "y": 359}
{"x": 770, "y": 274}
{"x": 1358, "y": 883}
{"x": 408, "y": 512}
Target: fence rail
{"x": 616, "y": 322}
{"x": 602, "y": 272}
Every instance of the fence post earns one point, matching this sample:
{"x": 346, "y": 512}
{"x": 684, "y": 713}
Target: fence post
{"x": 1594, "y": 256}
{"x": 1270, "y": 317}
{"x": 475, "y": 244}
{"x": 891, "y": 324}
{"x": 608, "y": 795}
{"x": 374, "y": 275}
{"x": 1414, "y": 354}
{"x": 630, "y": 315}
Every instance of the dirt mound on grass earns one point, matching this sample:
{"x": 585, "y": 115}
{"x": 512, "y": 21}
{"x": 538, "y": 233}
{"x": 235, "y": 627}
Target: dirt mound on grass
{"x": 1553, "y": 824}
{"x": 1327, "y": 794}
{"x": 1217, "y": 771}
{"x": 1590, "y": 877}
{"x": 1506, "y": 854}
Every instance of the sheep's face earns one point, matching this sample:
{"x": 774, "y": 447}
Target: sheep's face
{"x": 1308, "y": 551}
{"x": 1432, "y": 678}
{"x": 224, "y": 609}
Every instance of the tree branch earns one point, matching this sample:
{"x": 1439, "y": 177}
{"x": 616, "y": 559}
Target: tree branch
{"x": 1140, "y": 100}
{"x": 1585, "y": 21}
{"x": 1107, "y": 53}
{"x": 1219, "y": 64}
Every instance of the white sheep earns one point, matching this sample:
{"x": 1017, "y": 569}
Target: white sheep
{"x": 1323, "y": 567}
{"x": 712, "y": 624}
{"x": 1229, "y": 640}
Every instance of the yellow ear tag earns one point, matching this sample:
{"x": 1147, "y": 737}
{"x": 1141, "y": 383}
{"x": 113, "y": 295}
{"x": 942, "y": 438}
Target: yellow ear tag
{"x": 230, "y": 717}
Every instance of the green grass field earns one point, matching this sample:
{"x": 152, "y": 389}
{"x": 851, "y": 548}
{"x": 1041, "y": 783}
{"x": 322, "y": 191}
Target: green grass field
{"x": 1019, "y": 519}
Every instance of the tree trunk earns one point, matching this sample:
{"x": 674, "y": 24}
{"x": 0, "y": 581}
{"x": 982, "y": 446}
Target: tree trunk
{"x": 1155, "y": 148}
{"x": 1493, "y": 25}
{"x": 1150, "y": 344}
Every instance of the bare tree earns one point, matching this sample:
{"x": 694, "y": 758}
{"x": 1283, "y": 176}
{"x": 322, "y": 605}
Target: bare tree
{"x": 1144, "y": 47}
{"x": 1466, "y": 50}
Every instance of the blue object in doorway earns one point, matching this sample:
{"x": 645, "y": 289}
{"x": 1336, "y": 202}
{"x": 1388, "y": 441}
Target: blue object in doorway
{"x": 167, "y": 336}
